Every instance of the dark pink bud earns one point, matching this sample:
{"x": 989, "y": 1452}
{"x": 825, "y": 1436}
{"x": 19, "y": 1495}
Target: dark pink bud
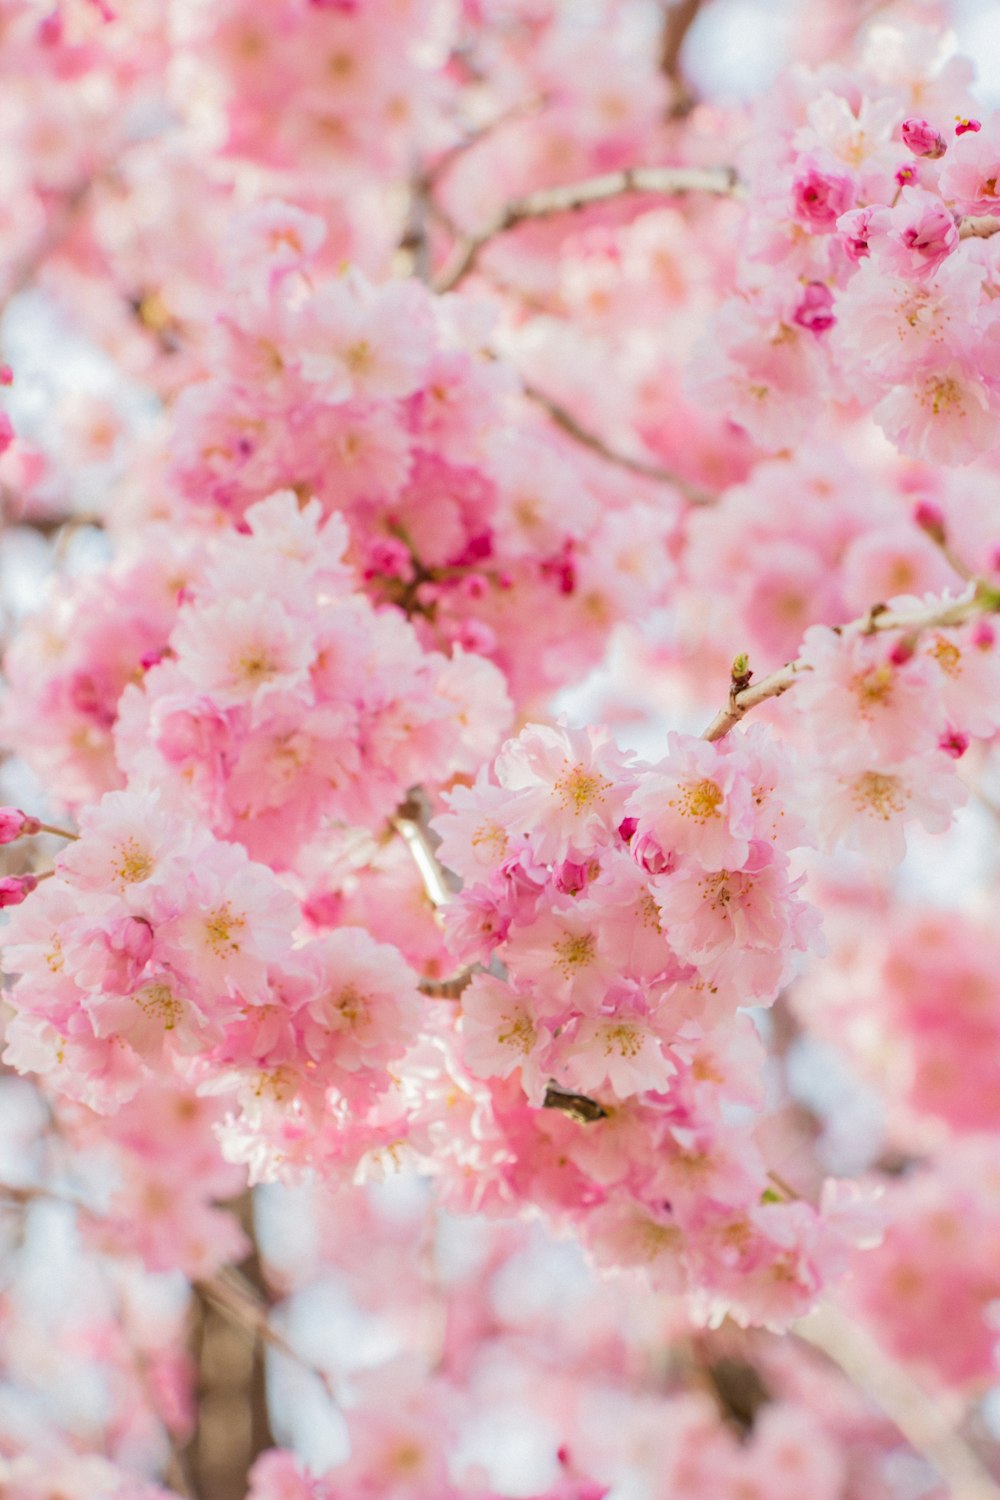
{"x": 962, "y": 125}
{"x": 922, "y": 139}
{"x": 815, "y": 311}
{"x": 901, "y": 653}
{"x": 983, "y": 635}
{"x": 50, "y": 30}
{"x": 930, "y": 518}
{"x": 6, "y": 432}
{"x": 650, "y": 857}
{"x": 133, "y": 940}
{"x": 15, "y": 824}
{"x": 150, "y": 659}
{"x": 6, "y": 375}
{"x": 571, "y": 878}
{"x": 854, "y": 228}
{"x": 323, "y": 908}
{"x": 819, "y": 198}
{"x": 14, "y": 888}
{"x": 476, "y": 635}
{"x": 627, "y": 827}
{"x": 388, "y": 557}
{"x": 954, "y": 743}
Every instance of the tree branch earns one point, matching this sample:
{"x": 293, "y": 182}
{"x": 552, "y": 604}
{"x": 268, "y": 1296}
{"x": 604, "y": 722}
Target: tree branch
{"x": 925, "y": 1423}
{"x": 677, "y": 22}
{"x": 742, "y": 698}
{"x": 978, "y": 228}
{"x": 410, "y": 822}
{"x": 581, "y": 434}
{"x": 664, "y": 182}
{"x": 236, "y": 1299}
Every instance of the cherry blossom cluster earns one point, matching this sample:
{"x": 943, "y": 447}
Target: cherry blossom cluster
{"x": 808, "y": 539}
{"x": 385, "y": 404}
{"x": 937, "y": 1268}
{"x": 914, "y": 998}
{"x": 460, "y": 350}
{"x": 866, "y": 279}
{"x": 631, "y": 910}
{"x": 885, "y": 716}
{"x": 156, "y": 947}
{"x": 270, "y": 696}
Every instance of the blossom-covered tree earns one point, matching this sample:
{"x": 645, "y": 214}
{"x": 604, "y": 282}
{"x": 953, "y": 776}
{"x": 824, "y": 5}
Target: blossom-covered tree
{"x": 500, "y": 590}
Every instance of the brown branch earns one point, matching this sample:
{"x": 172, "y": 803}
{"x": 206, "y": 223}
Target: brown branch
{"x": 984, "y": 600}
{"x": 588, "y": 439}
{"x": 232, "y": 1425}
{"x": 453, "y": 153}
{"x": 414, "y": 243}
{"x": 925, "y": 1422}
{"x": 453, "y": 987}
{"x": 237, "y": 1300}
{"x": 677, "y": 22}
{"x": 665, "y": 182}
{"x": 579, "y": 1107}
{"x": 972, "y": 227}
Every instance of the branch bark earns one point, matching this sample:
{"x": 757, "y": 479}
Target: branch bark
{"x": 232, "y": 1425}
{"x": 978, "y": 228}
{"x": 926, "y": 1423}
{"x": 984, "y": 600}
{"x": 665, "y": 182}
{"x": 410, "y": 822}
{"x": 677, "y": 22}
{"x": 581, "y": 434}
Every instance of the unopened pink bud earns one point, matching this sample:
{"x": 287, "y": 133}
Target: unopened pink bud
{"x": 962, "y": 125}
{"x": 854, "y": 228}
{"x": 815, "y": 311}
{"x": 930, "y": 518}
{"x": 983, "y": 635}
{"x": 923, "y": 140}
{"x": 133, "y": 939}
{"x": 571, "y": 878}
{"x": 323, "y": 908}
{"x": 6, "y": 375}
{"x": 819, "y": 198}
{"x": 650, "y": 857}
{"x": 901, "y": 653}
{"x": 627, "y": 827}
{"x": 14, "y": 888}
{"x": 50, "y": 30}
{"x": 15, "y": 824}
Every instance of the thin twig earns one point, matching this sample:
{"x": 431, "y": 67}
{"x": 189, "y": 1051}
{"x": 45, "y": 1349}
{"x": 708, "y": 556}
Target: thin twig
{"x": 569, "y": 424}
{"x": 665, "y": 182}
{"x": 984, "y": 600}
{"x": 453, "y": 153}
{"x": 926, "y": 1423}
